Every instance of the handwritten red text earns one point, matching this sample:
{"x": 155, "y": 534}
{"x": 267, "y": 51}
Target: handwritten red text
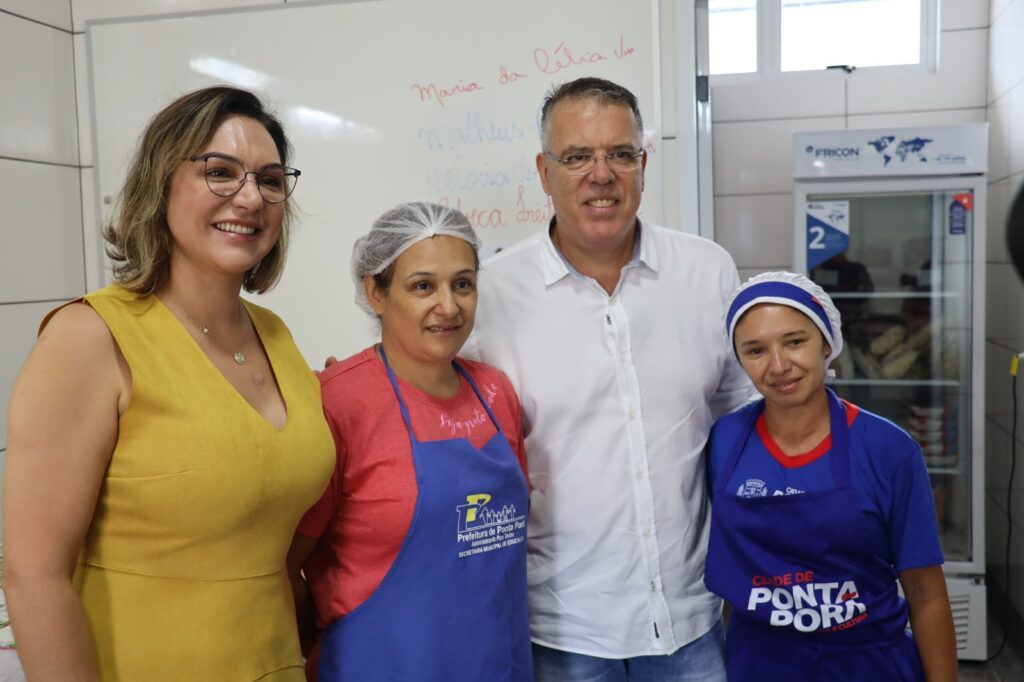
{"x": 432, "y": 93}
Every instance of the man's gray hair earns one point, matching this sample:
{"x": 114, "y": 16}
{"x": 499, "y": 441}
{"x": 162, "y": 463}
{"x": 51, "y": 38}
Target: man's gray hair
{"x": 598, "y": 89}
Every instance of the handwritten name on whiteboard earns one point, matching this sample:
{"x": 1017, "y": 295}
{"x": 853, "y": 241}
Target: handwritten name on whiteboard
{"x": 546, "y": 61}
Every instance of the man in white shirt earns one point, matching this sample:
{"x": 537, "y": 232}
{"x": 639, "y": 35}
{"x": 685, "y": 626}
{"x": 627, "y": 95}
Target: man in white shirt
{"x": 611, "y": 331}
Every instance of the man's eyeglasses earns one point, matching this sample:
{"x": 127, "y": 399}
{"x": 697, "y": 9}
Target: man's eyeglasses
{"x": 621, "y": 161}
{"x": 225, "y": 177}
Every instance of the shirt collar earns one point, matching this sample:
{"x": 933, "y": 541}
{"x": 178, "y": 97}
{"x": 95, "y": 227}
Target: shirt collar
{"x": 556, "y": 266}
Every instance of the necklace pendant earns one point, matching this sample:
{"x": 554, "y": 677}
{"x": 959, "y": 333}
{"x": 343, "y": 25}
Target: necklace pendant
{"x": 239, "y": 358}
{"x": 204, "y": 329}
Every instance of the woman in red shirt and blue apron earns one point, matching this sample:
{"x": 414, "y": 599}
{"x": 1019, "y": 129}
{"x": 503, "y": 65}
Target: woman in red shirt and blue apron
{"x": 819, "y": 509}
{"x": 415, "y": 555}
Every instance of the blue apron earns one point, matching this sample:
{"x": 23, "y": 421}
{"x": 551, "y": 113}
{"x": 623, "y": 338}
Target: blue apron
{"x": 453, "y": 605}
{"x": 809, "y": 600}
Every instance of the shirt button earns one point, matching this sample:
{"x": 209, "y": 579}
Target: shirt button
{"x": 647, "y": 532}
{"x": 640, "y": 474}
{"x": 632, "y": 413}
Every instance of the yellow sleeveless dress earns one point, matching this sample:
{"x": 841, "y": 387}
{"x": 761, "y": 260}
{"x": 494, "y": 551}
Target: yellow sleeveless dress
{"x": 182, "y": 573}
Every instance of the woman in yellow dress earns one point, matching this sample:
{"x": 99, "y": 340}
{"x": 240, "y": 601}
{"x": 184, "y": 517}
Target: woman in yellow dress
{"x": 165, "y": 436}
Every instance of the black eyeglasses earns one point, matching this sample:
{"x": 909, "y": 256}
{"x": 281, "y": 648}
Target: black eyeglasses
{"x": 620, "y": 161}
{"x": 226, "y": 175}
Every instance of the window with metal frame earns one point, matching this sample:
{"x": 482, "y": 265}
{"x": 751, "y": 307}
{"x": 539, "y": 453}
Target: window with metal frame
{"x": 771, "y": 37}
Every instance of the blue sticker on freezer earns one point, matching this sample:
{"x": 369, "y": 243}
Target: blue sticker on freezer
{"x": 959, "y": 209}
{"x": 828, "y": 230}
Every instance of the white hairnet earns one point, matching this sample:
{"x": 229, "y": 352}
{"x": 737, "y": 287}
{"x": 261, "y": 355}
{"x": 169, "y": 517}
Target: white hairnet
{"x": 795, "y": 291}
{"x": 397, "y": 230}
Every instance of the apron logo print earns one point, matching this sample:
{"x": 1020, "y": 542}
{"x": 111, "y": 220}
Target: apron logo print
{"x": 799, "y": 602}
{"x": 482, "y": 528}
{"x": 754, "y": 487}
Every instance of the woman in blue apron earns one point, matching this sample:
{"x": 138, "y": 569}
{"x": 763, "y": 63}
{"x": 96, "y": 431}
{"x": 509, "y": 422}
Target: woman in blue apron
{"x": 415, "y": 556}
{"x": 819, "y": 509}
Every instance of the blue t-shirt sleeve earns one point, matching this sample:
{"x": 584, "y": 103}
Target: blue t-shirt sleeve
{"x": 913, "y": 530}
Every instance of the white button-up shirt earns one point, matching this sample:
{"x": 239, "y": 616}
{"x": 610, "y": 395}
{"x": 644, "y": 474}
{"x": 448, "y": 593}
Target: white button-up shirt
{"x": 619, "y": 393}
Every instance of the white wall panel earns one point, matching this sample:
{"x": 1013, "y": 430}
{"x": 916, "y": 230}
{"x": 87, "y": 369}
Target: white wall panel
{"x": 995, "y": 544}
{"x": 1015, "y": 161}
{"x": 995, "y": 8}
{"x": 42, "y": 254}
{"x": 18, "y": 325}
{"x": 85, "y": 154}
{"x": 84, "y": 10}
{"x": 671, "y": 188}
{"x": 53, "y": 12}
{"x": 918, "y": 118}
{"x": 997, "y": 439}
{"x": 1000, "y": 56}
{"x": 998, "y": 200}
{"x": 96, "y": 267}
{"x": 961, "y": 14}
{"x": 747, "y": 273}
{"x": 669, "y": 62}
{"x": 999, "y": 118}
{"x": 959, "y": 82}
{"x": 1005, "y": 294}
{"x": 756, "y": 230}
{"x": 796, "y": 96}
{"x": 37, "y": 79}
{"x": 754, "y": 157}
{"x": 1015, "y": 16}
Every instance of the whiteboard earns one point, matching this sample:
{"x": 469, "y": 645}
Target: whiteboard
{"x": 385, "y": 101}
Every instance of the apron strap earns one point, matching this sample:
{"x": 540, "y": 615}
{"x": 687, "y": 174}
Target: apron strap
{"x": 472, "y": 384}
{"x": 401, "y": 402}
{"x": 398, "y": 393}
{"x": 840, "y": 434}
{"x": 741, "y": 441}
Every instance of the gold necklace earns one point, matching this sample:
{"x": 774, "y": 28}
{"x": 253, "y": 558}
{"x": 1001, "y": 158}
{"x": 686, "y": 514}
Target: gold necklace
{"x": 238, "y": 356}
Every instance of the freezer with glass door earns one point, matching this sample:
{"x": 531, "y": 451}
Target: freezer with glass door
{"x": 890, "y": 223}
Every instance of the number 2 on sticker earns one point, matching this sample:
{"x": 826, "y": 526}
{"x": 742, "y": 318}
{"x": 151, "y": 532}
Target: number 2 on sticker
{"x": 817, "y": 237}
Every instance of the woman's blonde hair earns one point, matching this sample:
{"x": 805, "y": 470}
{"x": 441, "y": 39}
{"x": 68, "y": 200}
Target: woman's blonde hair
{"x": 138, "y": 237}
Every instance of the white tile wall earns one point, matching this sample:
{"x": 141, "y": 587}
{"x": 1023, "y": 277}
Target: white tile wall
{"x": 754, "y": 157}
{"x": 43, "y": 202}
{"x": 669, "y": 63}
{"x": 999, "y": 117}
{"x": 957, "y": 84}
{"x": 918, "y": 118}
{"x": 669, "y": 163}
{"x": 961, "y": 14}
{"x": 995, "y": 543}
{"x": 756, "y": 230}
{"x": 18, "y": 324}
{"x": 82, "y": 98}
{"x": 1005, "y": 303}
{"x": 1016, "y": 19}
{"x": 96, "y": 267}
{"x": 794, "y": 96}
{"x": 53, "y": 12}
{"x": 1006, "y": 63}
{"x": 747, "y": 273}
{"x": 84, "y": 10}
{"x": 38, "y": 79}
{"x": 1015, "y": 162}
{"x": 996, "y": 8}
{"x": 995, "y": 241}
